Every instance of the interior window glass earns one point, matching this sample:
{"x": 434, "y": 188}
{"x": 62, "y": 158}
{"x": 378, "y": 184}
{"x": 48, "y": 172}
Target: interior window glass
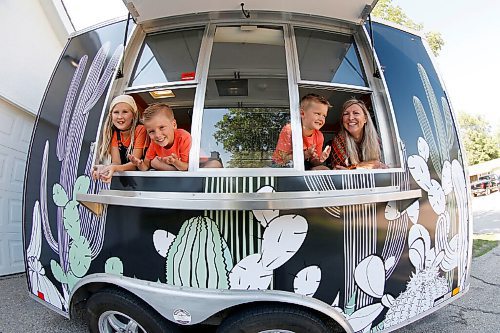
{"x": 247, "y": 101}
{"x": 168, "y": 57}
{"x": 328, "y": 57}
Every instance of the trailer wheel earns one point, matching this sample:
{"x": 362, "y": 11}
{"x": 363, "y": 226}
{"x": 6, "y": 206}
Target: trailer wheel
{"x": 276, "y": 319}
{"x": 117, "y": 311}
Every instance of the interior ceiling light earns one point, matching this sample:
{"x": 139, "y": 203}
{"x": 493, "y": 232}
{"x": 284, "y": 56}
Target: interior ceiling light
{"x": 234, "y": 87}
{"x": 162, "y": 94}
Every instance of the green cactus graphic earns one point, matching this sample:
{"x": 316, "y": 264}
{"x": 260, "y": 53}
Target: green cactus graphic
{"x": 114, "y": 266}
{"x": 199, "y": 242}
{"x": 80, "y": 256}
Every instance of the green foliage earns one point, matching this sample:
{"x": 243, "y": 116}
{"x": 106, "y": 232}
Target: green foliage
{"x": 480, "y": 144}
{"x": 387, "y": 11}
{"x": 482, "y": 246}
{"x": 251, "y": 134}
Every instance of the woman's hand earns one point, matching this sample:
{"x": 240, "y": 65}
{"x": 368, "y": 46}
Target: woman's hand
{"x": 374, "y": 164}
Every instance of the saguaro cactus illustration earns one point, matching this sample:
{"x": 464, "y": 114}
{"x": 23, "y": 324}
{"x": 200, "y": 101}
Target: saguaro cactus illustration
{"x": 440, "y": 144}
{"x": 79, "y": 233}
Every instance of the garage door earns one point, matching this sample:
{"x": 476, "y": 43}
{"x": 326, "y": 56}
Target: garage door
{"x": 15, "y": 133}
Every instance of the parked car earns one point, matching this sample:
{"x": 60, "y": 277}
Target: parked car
{"x": 485, "y": 185}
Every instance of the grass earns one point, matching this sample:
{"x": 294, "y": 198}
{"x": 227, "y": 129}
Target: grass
{"x": 481, "y": 246}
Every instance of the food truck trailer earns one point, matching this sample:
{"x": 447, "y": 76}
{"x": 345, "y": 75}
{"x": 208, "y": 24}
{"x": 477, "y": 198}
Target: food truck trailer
{"x": 248, "y": 247}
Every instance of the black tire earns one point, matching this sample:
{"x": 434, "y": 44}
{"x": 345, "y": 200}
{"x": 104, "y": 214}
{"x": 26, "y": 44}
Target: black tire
{"x": 275, "y": 317}
{"x": 120, "y": 307}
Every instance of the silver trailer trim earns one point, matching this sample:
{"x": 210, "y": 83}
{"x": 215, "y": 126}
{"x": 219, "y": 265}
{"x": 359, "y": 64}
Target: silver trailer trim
{"x": 203, "y": 303}
{"x": 243, "y": 201}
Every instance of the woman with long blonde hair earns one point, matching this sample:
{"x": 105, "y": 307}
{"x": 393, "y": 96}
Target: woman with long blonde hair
{"x": 357, "y": 144}
{"x": 122, "y": 136}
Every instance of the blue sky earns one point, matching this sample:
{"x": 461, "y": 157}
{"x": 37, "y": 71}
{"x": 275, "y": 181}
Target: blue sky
{"x": 469, "y": 61}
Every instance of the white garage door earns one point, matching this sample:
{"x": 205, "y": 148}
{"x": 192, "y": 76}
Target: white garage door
{"x": 15, "y": 134}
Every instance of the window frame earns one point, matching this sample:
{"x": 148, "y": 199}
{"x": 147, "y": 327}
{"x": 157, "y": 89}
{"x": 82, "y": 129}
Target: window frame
{"x": 386, "y": 122}
{"x": 164, "y": 85}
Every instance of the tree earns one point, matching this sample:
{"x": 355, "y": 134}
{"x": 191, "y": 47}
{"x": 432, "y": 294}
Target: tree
{"x": 251, "y": 134}
{"x": 480, "y": 144}
{"x": 387, "y": 11}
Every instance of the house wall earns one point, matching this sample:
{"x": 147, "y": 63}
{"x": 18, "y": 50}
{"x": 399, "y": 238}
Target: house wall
{"x": 33, "y": 34}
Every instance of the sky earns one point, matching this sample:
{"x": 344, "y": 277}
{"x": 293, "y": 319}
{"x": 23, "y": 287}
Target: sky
{"x": 469, "y": 61}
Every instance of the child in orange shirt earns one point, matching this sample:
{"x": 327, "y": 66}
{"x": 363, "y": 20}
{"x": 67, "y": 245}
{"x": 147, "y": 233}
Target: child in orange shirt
{"x": 122, "y": 135}
{"x": 169, "y": 147}
{"x": 313, "y": 111}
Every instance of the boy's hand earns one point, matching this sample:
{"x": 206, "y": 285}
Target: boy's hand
{"x": 169, "y": 159}
{"x": 325, "y": 154}
{"x": 310, "y": 153}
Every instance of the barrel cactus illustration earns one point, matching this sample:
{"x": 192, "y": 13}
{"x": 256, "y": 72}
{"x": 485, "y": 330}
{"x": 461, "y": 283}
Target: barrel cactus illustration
{"x": 198, "y": 256}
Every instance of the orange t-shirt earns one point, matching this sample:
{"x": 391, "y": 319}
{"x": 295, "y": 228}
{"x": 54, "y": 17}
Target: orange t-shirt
{"x": 180, "y": 147}
{"x": 140, "y": 138}
{"x": 284, "y": 145}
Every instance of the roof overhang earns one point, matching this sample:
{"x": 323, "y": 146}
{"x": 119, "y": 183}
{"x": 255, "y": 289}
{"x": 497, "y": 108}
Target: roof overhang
{"x": 354, "y": 11}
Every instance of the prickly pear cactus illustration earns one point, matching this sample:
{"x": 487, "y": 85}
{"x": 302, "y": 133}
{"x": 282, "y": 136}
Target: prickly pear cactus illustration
{"x": 283, "y": 236}
{"x": 197, "y": 256}
{"x": 80, "y": 255}
{"x": 114, "y": 266}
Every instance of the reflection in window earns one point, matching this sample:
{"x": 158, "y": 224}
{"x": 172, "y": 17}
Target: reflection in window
{"x": 168, "y": 57}
{"x": 328, "y": 57}
{"x": 246, "y": 101}
{"x": 242, "y": 137}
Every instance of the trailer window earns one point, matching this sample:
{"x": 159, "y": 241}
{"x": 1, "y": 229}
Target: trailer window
{"x": 168, "y": 57}
{"x": 328, "y": 57}
{"x": 247, "y": 100}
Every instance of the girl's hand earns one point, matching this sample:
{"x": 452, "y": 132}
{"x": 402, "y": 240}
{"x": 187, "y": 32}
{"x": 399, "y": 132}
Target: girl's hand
{"x": 107, "y": 173}
{"x": 95, "y": 171}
